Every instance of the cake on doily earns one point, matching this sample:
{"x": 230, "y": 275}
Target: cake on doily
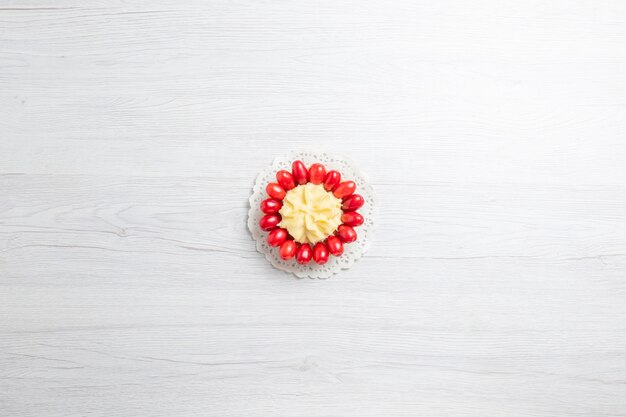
{"x": 309, "y": 216}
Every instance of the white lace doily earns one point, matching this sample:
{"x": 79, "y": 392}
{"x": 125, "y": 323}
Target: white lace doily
{"x": 352, "y": 251}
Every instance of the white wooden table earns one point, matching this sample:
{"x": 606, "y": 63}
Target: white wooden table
{"x": 131, "y": 133}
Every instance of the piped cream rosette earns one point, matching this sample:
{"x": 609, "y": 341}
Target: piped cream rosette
{"x": 310, "y": 213}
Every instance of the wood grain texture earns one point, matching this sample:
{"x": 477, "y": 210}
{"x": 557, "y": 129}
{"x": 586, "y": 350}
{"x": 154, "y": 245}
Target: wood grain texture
{"x": 130, "y": 136}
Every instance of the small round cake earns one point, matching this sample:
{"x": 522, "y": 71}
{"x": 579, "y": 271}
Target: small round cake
{"x": 310, "y": 213}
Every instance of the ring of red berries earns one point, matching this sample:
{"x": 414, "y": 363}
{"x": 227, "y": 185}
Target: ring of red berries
{"x": 332, "y": 183}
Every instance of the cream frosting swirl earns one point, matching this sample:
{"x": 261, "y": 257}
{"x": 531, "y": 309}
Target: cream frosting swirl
{"x": 310, "y": 214}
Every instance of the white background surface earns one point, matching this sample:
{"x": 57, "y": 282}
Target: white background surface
{"x": 131, "y": 133}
